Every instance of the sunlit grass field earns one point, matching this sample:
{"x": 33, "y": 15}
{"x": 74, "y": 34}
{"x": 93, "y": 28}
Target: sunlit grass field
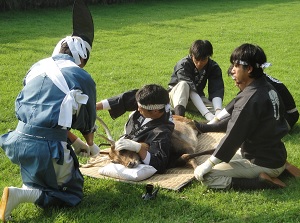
{"x": 139, "y": 43}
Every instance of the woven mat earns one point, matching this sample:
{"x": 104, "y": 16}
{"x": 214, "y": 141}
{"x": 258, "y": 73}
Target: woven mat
{"x": 173, "y": 179}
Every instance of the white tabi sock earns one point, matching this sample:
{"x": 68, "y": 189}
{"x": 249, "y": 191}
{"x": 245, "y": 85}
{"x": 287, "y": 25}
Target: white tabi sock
{"x": 13, "y": 196}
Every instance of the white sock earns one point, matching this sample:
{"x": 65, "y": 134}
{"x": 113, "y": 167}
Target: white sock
{"x": 13, "y": 196}
{"x": 217, "y": 103}
{"x": 223, "y": 114}
{"x": 197, "y": 101}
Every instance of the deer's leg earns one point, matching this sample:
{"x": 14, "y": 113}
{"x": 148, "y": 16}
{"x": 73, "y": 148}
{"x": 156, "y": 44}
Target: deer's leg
{"x": 193, "y": 163}
{"x": 190, "y": 158}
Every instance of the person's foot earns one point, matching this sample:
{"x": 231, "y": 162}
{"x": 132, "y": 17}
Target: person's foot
{"x": 292, "y": 170}
{"x": 271, "y": 182}
{"x": 8, "y": 203}
{"x": 13, "y": 196}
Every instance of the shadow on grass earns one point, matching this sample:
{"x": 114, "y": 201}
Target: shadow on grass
{"x": 56, "y": 23}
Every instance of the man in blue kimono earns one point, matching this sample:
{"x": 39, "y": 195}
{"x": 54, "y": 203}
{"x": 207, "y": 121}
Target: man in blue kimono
{"x": 58, "y": 95}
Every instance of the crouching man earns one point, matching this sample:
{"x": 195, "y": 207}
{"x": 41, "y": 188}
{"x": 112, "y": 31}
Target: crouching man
{"x": 58, "y": 95}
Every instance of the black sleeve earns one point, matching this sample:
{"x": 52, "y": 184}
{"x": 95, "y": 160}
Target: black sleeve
{"x": 160, "y": 146}
{"x": 215, "y": 81}
{"x": 122, "y": 103}
{"x": 243, "y": 121}
{"x": 184, "y": 70}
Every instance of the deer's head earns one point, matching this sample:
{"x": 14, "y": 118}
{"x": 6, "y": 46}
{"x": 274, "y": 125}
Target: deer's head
{"x": 127, "y": 158}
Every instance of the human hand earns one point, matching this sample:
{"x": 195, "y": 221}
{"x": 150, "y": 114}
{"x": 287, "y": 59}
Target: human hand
{"x": 218, "y": 110}
{"x": 202, "y": 169}
{"x": 99, "y": 106}
{"x": 127, "y": 144}
{"x": 213, "y": 121}
{"x": 94, "y": 150}
{"x": 209, "y": 116}
{"x": 205, "y": 167}
{"x": 80, "y": 148}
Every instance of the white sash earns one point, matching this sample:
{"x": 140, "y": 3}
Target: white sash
{"x": 73, "y": 98}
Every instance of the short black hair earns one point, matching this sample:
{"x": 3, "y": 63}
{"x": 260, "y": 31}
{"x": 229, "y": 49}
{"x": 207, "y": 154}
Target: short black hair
{"x": 201, "y": 49}
{"x": 253, "y": 55}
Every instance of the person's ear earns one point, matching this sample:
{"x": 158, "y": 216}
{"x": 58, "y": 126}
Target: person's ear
{"x": 250, "y": 69}
{"x": 82, "y": 62}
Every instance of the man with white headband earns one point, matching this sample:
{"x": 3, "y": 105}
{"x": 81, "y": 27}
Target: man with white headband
{"x": 149, "y": 127}
{"x": 58, "y": 95}
{"x": 219, "y": 123}
{"x": 251, "y": 155}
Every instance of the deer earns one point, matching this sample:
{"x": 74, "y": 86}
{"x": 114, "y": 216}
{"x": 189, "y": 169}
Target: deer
{"x": 184, "y": 141}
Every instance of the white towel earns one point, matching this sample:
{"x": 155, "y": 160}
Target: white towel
{"x": 73, "y": 98}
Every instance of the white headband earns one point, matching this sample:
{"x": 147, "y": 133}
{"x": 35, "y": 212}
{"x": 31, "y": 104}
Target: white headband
{"x": 152, "y": 107}
{"x": 264, "y": 65}
{"x": 77, "y": 46}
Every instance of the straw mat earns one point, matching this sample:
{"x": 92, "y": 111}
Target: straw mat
{"x": 173, "y": 179}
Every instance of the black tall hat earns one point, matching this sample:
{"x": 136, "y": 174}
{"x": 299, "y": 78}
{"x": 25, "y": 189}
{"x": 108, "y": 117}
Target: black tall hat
{"x": 83, "y": 25}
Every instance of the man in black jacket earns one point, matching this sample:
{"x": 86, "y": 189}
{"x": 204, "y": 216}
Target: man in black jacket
{"x": 291, "y": 114}
{"x": 251, "y": 155}
{"x": 190, "y": 76}
{"x": 150, "y": 125}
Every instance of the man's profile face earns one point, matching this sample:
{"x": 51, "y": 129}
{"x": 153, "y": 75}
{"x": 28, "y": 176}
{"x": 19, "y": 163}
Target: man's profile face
{"x": 240, "y": 75}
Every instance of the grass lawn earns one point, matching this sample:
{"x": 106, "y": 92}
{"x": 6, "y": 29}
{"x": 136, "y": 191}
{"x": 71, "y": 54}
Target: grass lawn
{"x": 139, "y": 43}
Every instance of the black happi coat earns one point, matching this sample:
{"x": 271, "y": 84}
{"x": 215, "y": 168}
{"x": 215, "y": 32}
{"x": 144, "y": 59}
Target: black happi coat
{"x": 257, "y": 125}
{"x": 156, "y": 133}
{"x": 185, "y": 70}
{"x": 291, "y": 113}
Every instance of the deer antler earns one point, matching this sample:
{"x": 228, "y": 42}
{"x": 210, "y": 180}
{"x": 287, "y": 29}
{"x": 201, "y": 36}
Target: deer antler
{"x": 109, "y": 137}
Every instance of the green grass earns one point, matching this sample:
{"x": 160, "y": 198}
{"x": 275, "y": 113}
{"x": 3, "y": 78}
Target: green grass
{"x": 137, "y": 44}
